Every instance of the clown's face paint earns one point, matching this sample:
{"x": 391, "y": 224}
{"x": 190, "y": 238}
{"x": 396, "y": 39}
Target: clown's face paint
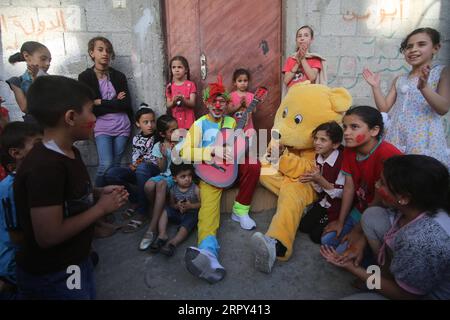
{"x": 217, "y": 107}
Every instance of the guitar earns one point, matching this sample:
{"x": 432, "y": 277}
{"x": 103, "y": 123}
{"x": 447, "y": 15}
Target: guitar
{"x": 223, "y": 174}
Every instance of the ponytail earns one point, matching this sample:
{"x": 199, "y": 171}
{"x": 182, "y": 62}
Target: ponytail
{"x": 16, "y": 57}
{"x": 30, "y": 47}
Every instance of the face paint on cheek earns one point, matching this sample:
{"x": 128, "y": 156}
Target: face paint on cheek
{"x": 360, "y": 138}
{"x": 89, "y": 125}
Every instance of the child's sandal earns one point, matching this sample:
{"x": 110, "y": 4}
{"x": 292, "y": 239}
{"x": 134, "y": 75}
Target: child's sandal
{"x": 129, "y": 213}
{"x": 168, "y": 250}
{"x": 156, "y": 245}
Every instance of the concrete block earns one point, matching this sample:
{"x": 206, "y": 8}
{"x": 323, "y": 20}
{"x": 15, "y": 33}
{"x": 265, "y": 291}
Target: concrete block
{"x": 347, "y": 66}
{"x": 444, "y": 52}
{"x": 358, "y": 46}
{"x": 18, "y": 24}
{"x": 76, "y": 43}
{"x": 356, "y": 7}
{"x": 432, "y": 9}
{"x": 4, "y": 3}
{"x": 35, "y": 3}
{"x": 102, "y": 17}
{"x": 397, "y": 66}
{"x": 335, "y": 25}
{"x": 388, "y": 48}
{"x": 332, "y": 66}
{"x": 72, "y": 66}
{"x": 311, "y": 19}
{"x": 122, "y": 43}
{"x": 324, "y": 6}
{"x": 88, "y": 152}
{"x": 328, "y": 46}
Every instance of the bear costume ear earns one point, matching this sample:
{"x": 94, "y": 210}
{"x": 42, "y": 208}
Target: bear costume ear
{"x": 340, "y": 99}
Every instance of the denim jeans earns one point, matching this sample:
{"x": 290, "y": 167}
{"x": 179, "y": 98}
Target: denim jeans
{"x": 53, "y": 286}
{"x": 110, "y": 151}
{"x": 330, "y": 237}
{"x": 144, "y": 171}
{"x": 129, "y": 178}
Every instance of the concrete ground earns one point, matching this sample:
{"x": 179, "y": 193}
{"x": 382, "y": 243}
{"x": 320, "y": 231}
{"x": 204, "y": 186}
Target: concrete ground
{"x": 124, "y": 272}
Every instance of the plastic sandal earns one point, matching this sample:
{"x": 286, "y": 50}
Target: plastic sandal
{"x": 129, "y": 213}
{"x": 133, "y": 226}
{"x": 168, "y": 250}
{"x": 157, "y": 244}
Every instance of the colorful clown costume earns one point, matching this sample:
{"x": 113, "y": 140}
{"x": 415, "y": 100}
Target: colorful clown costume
{"x": 203, "y": 261}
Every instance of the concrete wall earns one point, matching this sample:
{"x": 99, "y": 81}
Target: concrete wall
{"x": 66, "y": 26}
{"x": 353, "y": 34}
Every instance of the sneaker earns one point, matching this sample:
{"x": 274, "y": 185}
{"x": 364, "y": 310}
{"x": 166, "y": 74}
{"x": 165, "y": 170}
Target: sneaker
{"x": 147, "y": 240}
{"x": 204, "y": 265}
{"x": 265, "y": 251}
{"x": 245, "y": 221}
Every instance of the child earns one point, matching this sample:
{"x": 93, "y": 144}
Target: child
{"x": 302, "y": 65}
{"x": 16, "y": 141}
{"x": 410, "y": 234}
{"x": 156, "y": 188}
{"x": 143, "y": 164}
{"x": 417, "y": 101}
{"x": 54, "y": 196}
{"x": 4, "y": 119}
{"x": 183, "y": 208}
{"x": 181, "y": 93}
{"x": 37, "y": 58}
{"x": 327, "y": 180}
{"x": 112, "y": 106}
{"x": 203, "y": 261}
{"x": 364, "y": 154}
{"x": 241, "y": 99}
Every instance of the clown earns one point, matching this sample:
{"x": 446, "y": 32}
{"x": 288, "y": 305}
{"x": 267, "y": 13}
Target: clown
{"x": 203, "y": 261}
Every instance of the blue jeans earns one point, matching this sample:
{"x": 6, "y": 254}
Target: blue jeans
{"x": 110, "y": 151}
{"x": 330, "y": 237}
{"x": 127, "y": 178}
{"x": 53, "y": 286}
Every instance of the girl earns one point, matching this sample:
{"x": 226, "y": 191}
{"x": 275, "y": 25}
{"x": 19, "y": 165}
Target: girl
{"x": 364, "y": 154}
{"x": 241, "y": 98}
{"x": 303, "y": 65}
{"x": 418, "y": 100}
{"x": 412, "y": 238}
{"x": 180, "y": 93}
{"x": 327, "y": 179}
{"x": 112, "y": 106}
{"x": 37, "y": 58}
{"x": 156, "y": 188}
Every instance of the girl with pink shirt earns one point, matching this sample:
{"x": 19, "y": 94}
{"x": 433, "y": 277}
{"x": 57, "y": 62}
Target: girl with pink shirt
{"x": 241, "y": 98}
{"x": 181, "y": 93}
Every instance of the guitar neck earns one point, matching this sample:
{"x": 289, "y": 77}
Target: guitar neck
{"x": 243, "y": 120}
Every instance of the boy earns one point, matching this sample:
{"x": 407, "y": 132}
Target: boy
{"x": 143, "y": 167}
{"x": 183, "y": 209}
{"x": 17, "y": 139}
{"x": 198, "y": 146}
{"x": 54, "y": 196}
{"x": 327, "y": 180}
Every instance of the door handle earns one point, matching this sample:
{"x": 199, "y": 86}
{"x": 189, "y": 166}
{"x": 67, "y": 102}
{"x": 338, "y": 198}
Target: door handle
{"x": 203, "y": 66}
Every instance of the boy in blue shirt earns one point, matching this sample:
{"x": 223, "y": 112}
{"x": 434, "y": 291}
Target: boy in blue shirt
{"x": 16, "y": 141}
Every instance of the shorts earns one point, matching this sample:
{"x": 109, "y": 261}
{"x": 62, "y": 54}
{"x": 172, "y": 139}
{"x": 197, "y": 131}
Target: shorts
{"x": 188, "y": 220}
{"x": 169, "y": 180}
